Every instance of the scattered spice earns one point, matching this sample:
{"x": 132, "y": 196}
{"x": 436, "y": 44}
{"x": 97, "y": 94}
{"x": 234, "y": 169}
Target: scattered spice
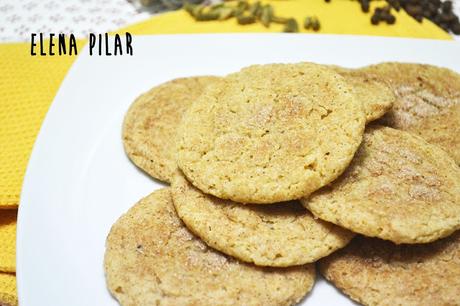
{"x": 266, "y": 16}
{"x": 439, "y": 12}
{"x": 162, "y": 5}
{"x": 291, "y": 26}
{"x": 395, "y": 4}
{"x": 312, "y": 23}
{"x": 383, "y": 14}
{"x": 280, "y": 20}
{"x": 225, "y": 13}
{"x": 364, "y": 5}
{"x": 246, "y": 13}
{"x": 391, "y": 19}
{"x": 375, "y": 19}
{"x": 246, "y": 19}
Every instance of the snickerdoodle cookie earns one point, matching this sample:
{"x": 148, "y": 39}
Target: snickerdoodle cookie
{"x": 398, "y": 187}
{"x": 278, "y": 235}
{"x": 427, "y": 104}
{"x": 377, "y": 272}
{"x": 152, "y": 259}
{"x": 270, "y": 133}
{"x": 375, "y": 94}
{"x": 150, "y": 124}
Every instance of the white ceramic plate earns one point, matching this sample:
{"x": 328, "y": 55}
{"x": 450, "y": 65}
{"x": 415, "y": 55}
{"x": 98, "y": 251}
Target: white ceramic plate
{"x": 79, "y": 180}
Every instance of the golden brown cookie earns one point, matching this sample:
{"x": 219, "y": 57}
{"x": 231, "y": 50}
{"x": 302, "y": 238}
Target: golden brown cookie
{"x": 277, "y": 235}
{"x": 398, "y": 187}
{"x": 152, "y": 259}
{"x": 270, "y": 133}
{"x": 377, "y": 272}
{"x": 150, "y": 124}
{"x": 427, "y": 104}
{"x": 377, "y": 97}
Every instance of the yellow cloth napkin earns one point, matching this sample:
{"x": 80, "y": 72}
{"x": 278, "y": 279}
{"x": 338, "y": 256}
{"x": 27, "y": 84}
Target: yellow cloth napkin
{"x": 29, "y": 84}
{"x": 8, "y": 295}
{"x": 8, "y": 240}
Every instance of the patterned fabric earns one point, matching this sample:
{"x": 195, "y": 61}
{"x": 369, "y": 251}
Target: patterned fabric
{"x": 80, "y": 17}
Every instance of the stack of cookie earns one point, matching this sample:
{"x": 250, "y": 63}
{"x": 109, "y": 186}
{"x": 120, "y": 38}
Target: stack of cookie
{"x": 277, "y": 167}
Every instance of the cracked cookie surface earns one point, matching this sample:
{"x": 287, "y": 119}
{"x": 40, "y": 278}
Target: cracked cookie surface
{"x": 427, "y": 104}
{"x": 398, "y": 187}
{"x": 149, "y": 127}
{"x": 375, "y": 94}
{"x": 152, "y": 259}
{"x": 377, "y": 272}
{"x": 270, "y": 133}
{"x": 283, "y": 234}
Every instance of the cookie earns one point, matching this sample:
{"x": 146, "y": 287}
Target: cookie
{"x": 377, "y": 97}
{"x": 277, "y": 235}
{"x": 150, "y": 124}
{"x": 398, "y": 187}
{"x": 152, "y": 259}
{"x": 270, "y": 133}
{"x": 377, "y": 272}
{"x": 442, "y": 130}
{"x": 427, "y": 104}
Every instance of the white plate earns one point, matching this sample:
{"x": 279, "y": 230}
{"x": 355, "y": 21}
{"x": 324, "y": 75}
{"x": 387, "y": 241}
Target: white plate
{"x": 79, "y": 180}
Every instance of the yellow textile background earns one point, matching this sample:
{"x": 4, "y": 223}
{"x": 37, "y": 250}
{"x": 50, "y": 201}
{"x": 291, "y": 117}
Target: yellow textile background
{"x": 8, "y": 240}
{"x": 8, "y": 295}
{"x": 28, "y": 85}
